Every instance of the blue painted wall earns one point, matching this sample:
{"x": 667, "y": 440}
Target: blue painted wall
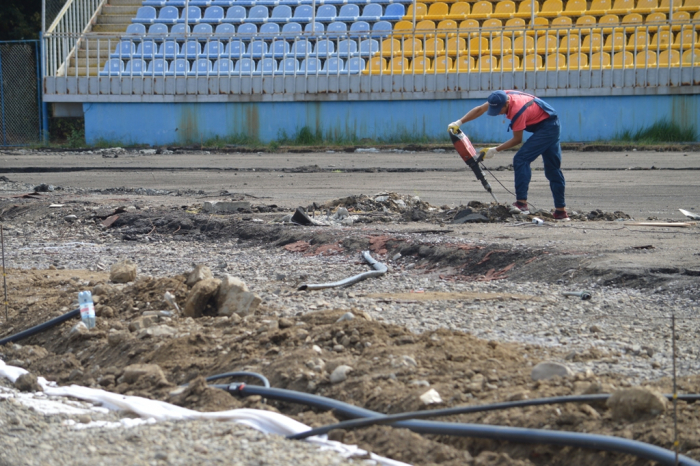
{"x": 583, "y": 119}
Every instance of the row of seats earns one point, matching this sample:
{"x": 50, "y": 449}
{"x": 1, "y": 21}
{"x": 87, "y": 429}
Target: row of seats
{"x": 399, "y": 65}
{"x": 280, "y": 14}
{"x": 229, "y": 3}
{"x": 237, "y": 48}
{"x": 380, "y": 28}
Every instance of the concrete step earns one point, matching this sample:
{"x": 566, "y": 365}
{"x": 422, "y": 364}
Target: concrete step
{"x": 92, "y": 54}
{"x": 114, "y": 28}
{"x": 115, "y": 19}
{"x": 120, "y": 10}
{"x": 94, "y": 71}
{"x": 136, "y": 3}
{"x": 83, "y": 62}
{"x": 104, "y": 44}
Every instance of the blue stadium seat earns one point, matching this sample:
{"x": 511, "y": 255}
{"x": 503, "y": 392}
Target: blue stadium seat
{"x": 318, "y": 28}
{"x": 291, "y": 2}
{"x": 178, "y": 67}
{"x": 194, "y": 15}
{"x": 257, "y": 49}
{"x": 146, "y": 15}
{"x": 124, "y": 49}
{"x": 223, "y": 3}
{"x": 381, "y": 29}
{"x": 289, "y": 66}
{"x": 337, "y": 27}
{"x": 213, "y": 49}
{"x": 146, "y": 49}
{"x": 359, "y": 27}
{"x": 247, "y": 28}
{"x": 154, "y": 3}
{"x": 176, "y": 3}
{"x": 332, "y": 2}
{"x": 348, "y": 13}
{"x": 333, "y": 65}
{"x": 157, "y": 67}
{"x": 178, "y": 31}
{"x": 266, "y": 66}
{"x": 225, "y": 29}
{"x": 369, "y": 47}
{"x": 167, "y": 15}
{"x": 291, "y": 28}
{"x": 202, "y": 29}
{"x": 235, "y": 49}
{"x": 190, "y": 49}
{"x": 113, "y": 67}
{"x": 311, "y": 65}
{"x": 257, "y": 14}
{"x": 201, "y": 66}
{"x": 394, "y": 12}
{"x": 268, "y": 3}
{"x": 355, "y": 65}
{"x": 200, "y": 3}
{"x": 372, "y": 12}
{"x": 326, "y": 13}
{"x": 244, "y": 66}
{"x": 158, "y": 29}
{"x": 281, "y": 14}
{"x": 235, "y": 14}
{"x": 136, "y": 29}
{"x": 324, "y": 48}
{"x": 169, "y": 49}
{"x": 301, "y": 47}
{"x": 270, "y": 28}
{"x": 303, "y": 14}
{"x": 223, "y": 66}
{"x": 347, "y": 48}
{"x": 278, "y": 49}
{"x": 213, "y": 15}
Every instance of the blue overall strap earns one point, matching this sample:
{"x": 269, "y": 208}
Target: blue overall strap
{"x": 548, "y": 109}
{"x": 520, "y": 112}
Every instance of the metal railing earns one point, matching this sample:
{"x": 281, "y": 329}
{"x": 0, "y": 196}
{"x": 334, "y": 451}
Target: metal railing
{"x": 75, "y": 18}
{"x": 556, "y": 53}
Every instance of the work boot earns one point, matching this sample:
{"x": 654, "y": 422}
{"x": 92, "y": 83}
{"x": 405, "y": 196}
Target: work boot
{"x": 521, "y": 207}
{"x": 561, "y": 216}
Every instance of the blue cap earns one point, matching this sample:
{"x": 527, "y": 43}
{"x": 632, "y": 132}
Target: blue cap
{"x": 496, "y": 101}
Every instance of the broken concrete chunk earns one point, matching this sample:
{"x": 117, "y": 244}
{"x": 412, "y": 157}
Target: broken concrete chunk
{"x": 151, "y": 372}
{"x": 123, "y": 272}
{"x": 430, "y": 397}
{"x": 235, "y": 298}
{"x": 142, "y": 323}
{"x": 547, "y": 370}
{"x": 28, "y": 383}
{"x": 225, "y": 206}
{"x": 340, "y": 374}
{"x": 199, "y": 273}
{"x": 636, "y": 403}
{"x": 200, "y": 295}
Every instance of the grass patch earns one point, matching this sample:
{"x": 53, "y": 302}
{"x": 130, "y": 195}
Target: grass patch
{"x": 660, "y": 132}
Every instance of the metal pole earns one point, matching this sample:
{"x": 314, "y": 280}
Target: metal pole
{"x": 43, "y": 16}
{"x": 4, "y": 275}
{"x": 670, "y": 12}
{"x": 415, "y": 3}
{"x": 43, "y": 108}
{"x": 675, "y": 392}
{"x": 2, "y": 104}
{"x": 187, "y": 22}
{"x": 313, "y": 17}
{"x": 532, "y": 15}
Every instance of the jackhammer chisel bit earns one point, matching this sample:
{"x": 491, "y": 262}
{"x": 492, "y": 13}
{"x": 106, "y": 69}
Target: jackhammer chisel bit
{"x": 467, "y": 152}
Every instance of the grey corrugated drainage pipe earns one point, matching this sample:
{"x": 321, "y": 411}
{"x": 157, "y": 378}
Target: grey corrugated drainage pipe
{"x": 379, "y": 270}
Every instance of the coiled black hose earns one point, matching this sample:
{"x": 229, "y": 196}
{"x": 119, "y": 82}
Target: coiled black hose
{"x": 41, "y": 327}
{"x": 512, "y": 434}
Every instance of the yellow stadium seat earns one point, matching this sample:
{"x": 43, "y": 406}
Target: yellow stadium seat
{"x": 540, "y": 26}
{"x": 504, "y": 10}
{"x": 600, "y": 61}
{"x": 464, "y": 64}
{"x": 533, "y": 63}
{"x": 510, "y": 63}
{"x": 696, "y": 17}
{"x": 638, "y": 41}
{"x": 623, "y": 60}
{"x": 551, "y": 8}
{"x": 403, "y": 27}
{"x": 399, "y": 65}
{"x": 421, "y": 65}
{"x": 487, "y": 63}
{"x": 575, "y": 8}
{"x": 469, "y": 27}
{"x": 622, "y": 7}
{"x": 645, "y": 59}
{"x": 691, "y": 6}
{"x": 681, "y": 20}
{"x": 377, "y": 65}
{"x": 443, "y": 64}
{"x": 688, "y": 39}
{"x": 447, "y": 27}
{"x": 631, "y": 21}
{"x": 524, "y": 44}
{"x": 411, "y": 46}
{"x": 592, "y": 43}
{"x": 691, "y": 57}
{"x": 459, "y": 11}
{"x": 670, "y": 56}
{"x": 570, "y": 43}
{"x": 546, "y": 44}
{"x": 514, "y": 27}
{"x": 578, "y": 61}
{"x": 425, "y": 28}
{"x": 434, "y": 47}
{"x": 555, "y": 61}
{"x": 478, "y": 45}
{"x": 655, "y": 21}
{"x": 482, "y": 10}
{"x": 455, "y": 45}
{"x": 585, "y": 22}
{"x": 491, "y": 27}
{"x": 561, "y": 22}
{"x": 501, "y": 45}
{"x": 524, "y": 8}
{"x": 615, "y": 42}
{"x": 609, "y": 20}
{"x": 421, "y": 10}
{"x": 437, "y": 11}
{"x": 600, "y": 7}
{"x": 661, "y": 40}
{"x": 390, "y": 47}
{"x": 665, "y": 7}
{"x": 646, "y": 7}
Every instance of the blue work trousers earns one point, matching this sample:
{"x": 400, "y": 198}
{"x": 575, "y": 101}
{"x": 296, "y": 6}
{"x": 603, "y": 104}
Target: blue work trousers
{"x": 544, "y": 141}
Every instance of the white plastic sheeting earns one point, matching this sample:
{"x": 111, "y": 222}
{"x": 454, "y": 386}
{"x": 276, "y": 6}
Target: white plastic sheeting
{"x": 264, "y": 421}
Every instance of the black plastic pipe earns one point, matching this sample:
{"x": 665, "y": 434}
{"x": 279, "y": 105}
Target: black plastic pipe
{"x": 512, "y": 434}
{"x": 41, "y": 327}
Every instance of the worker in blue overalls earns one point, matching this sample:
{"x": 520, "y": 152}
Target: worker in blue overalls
{"x": 527, "y": 113}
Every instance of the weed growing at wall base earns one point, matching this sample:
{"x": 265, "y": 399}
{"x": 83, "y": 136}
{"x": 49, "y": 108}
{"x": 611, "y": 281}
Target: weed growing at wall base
{"x": 660, "y": 132}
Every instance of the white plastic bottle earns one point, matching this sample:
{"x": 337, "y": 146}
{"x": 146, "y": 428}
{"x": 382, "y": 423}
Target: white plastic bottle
{"x": 87, "y": 308}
